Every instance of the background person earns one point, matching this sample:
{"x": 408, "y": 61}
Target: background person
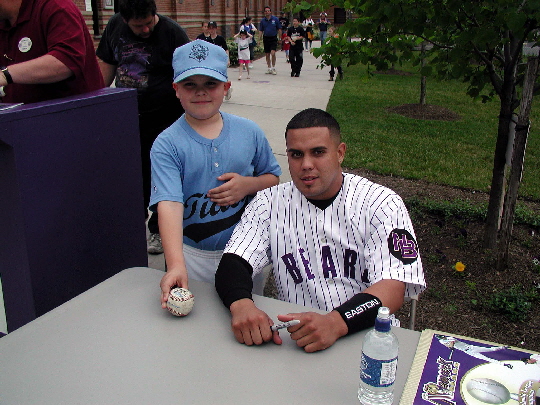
{"x": 205, "y": 32}
{"x": 248, "y": 26}
{"x": 323, "y": 27}
{"x": 270, "y": 28}
{"x": 284, "y": 21}
{"x": 309, "y": 36}
{"x": 218, "y": 40}
{"x": 333, "y": 68}
{"x": 205, "y": 169}
{"x": 46, "y": 51}
{"x": 296, "y": 35}
{"x": 136, "y": 51}
{"x": 243, "y": 39}
{"x": 336, "y": 241}
{"x": 285, "y": 45}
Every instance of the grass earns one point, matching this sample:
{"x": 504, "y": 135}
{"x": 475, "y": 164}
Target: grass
{"x": 457, "y": 153}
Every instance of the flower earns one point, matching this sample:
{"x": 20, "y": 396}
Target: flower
{"x": 459, "y": 267}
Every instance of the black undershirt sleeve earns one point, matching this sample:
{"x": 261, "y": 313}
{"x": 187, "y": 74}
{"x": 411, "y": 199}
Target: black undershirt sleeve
{"x": 359, "y": 312}
{"x": 233, "y": 279}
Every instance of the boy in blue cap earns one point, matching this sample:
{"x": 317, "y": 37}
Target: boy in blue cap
{"x": 206, "y": 167}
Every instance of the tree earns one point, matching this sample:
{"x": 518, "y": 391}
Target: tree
{"x": 479, "y": 42}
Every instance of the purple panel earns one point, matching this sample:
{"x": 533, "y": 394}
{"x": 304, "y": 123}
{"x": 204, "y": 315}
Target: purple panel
{"x": 71, "y": 198}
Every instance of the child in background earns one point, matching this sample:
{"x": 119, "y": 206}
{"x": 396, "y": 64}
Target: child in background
{"x": 309, "y": 35}
{"x": 206, "y": 167}
{"x": 285, "y": 44}
{"x": 332, "y": 67}
{"x": 243, "y": 39}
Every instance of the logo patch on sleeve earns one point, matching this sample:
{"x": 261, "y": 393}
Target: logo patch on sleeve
{"x": 403, "y": 246}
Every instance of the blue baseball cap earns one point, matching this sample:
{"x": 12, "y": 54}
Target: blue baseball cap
{"x": 200, "y": 58}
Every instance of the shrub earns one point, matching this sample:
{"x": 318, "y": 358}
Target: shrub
{"x": 514, "y": 303}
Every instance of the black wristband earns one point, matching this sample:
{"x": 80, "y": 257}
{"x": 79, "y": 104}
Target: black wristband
{"x": 359, "y": 312}
{"x": 6, "y": 73}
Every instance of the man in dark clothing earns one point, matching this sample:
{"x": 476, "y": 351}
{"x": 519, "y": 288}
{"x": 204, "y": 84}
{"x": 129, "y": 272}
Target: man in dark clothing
{"x": 136, "y": 49}
{"x": 296, "y": 36}
{"x": 284, "y": 21}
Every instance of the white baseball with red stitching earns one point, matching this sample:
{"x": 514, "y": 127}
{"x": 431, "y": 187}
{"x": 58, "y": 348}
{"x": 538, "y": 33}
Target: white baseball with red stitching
{"x": 180, "y": 302}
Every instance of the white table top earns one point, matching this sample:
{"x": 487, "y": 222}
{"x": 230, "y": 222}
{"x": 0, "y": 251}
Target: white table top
{"x": 115, "y": 345}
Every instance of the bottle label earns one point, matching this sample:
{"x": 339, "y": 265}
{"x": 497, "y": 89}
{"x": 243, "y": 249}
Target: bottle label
{"x": 378, "y": 373}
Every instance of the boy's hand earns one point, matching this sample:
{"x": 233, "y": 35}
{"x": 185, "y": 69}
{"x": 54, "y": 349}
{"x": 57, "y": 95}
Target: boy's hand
{"x": 233, "y": 190}
{"x": 173, "y": 278}
{"x": 250, "y": 325}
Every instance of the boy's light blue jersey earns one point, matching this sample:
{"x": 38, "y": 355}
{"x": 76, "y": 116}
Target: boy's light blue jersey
{"x": 185, "y": 166}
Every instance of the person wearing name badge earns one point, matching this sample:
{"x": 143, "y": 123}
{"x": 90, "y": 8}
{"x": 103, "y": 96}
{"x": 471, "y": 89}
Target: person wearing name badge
{"x": 336, "y": 241}
{"x": 206, "y": 167}
{"x": 46, "y": 51}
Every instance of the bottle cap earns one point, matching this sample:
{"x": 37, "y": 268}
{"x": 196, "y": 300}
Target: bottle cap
{"x": 382, "y": 323}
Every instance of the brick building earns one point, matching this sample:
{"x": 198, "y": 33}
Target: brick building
{"x": 189, "y": 13}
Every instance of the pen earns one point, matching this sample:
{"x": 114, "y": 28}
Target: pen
{"x": 284, "y": 325}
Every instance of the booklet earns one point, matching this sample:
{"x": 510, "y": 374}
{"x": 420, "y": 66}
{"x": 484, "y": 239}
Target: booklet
{"x": 450, "y": 369}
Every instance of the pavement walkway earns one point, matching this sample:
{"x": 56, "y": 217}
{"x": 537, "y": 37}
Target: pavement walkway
{"x": 271, "y": 101}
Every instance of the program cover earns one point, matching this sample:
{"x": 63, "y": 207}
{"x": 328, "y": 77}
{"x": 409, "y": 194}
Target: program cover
{"x": 450, "y": 369}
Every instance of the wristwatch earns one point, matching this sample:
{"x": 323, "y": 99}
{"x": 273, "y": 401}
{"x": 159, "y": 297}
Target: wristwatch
{"x": 6, "y": 73}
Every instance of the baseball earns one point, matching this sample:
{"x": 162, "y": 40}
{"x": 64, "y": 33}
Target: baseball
{"x": 180, "y": 302}
{"x": 488, "y": 391}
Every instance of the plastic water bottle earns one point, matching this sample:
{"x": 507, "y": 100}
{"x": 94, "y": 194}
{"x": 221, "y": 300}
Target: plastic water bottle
{"x": 379, "y": 363}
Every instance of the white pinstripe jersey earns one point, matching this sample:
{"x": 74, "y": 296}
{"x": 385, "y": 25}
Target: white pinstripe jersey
{"x": 322, "y": 258}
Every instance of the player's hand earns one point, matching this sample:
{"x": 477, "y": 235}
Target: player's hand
{"x": 316, "y": 331}
{"x": 173, "y": 278}
{"x": 250, "y": 325}
{"x": 233, "y": 190}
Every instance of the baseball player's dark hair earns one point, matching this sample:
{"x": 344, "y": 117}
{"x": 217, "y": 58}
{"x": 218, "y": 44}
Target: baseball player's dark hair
{"x": 314, "y": 117}
{"x": 137, "y": 9}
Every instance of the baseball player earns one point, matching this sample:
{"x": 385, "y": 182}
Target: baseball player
{"x": 336, "y": 241}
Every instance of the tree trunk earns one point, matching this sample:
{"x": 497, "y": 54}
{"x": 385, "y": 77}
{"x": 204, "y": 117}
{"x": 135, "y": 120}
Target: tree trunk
{"x": 518, "y": 157}
{"x": 498, "y": 181}
{"x": 423, "y": 90}
{"x": 423, "y": 80}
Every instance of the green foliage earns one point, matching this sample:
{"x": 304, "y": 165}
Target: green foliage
{"x": 438, "y": 292}
{"x": 233, "y": 51}
{"x": 297, "y": 7}
{"x": 514, "y": 303}
{"x": 467, "y": 211}
{"x": 477, "y": 42}
{"x": 457, "y": 153}
{"x": 455, "y": 208}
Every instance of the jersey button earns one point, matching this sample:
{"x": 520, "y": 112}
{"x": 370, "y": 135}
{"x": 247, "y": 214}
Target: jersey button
{"x": 216, "y": 164}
